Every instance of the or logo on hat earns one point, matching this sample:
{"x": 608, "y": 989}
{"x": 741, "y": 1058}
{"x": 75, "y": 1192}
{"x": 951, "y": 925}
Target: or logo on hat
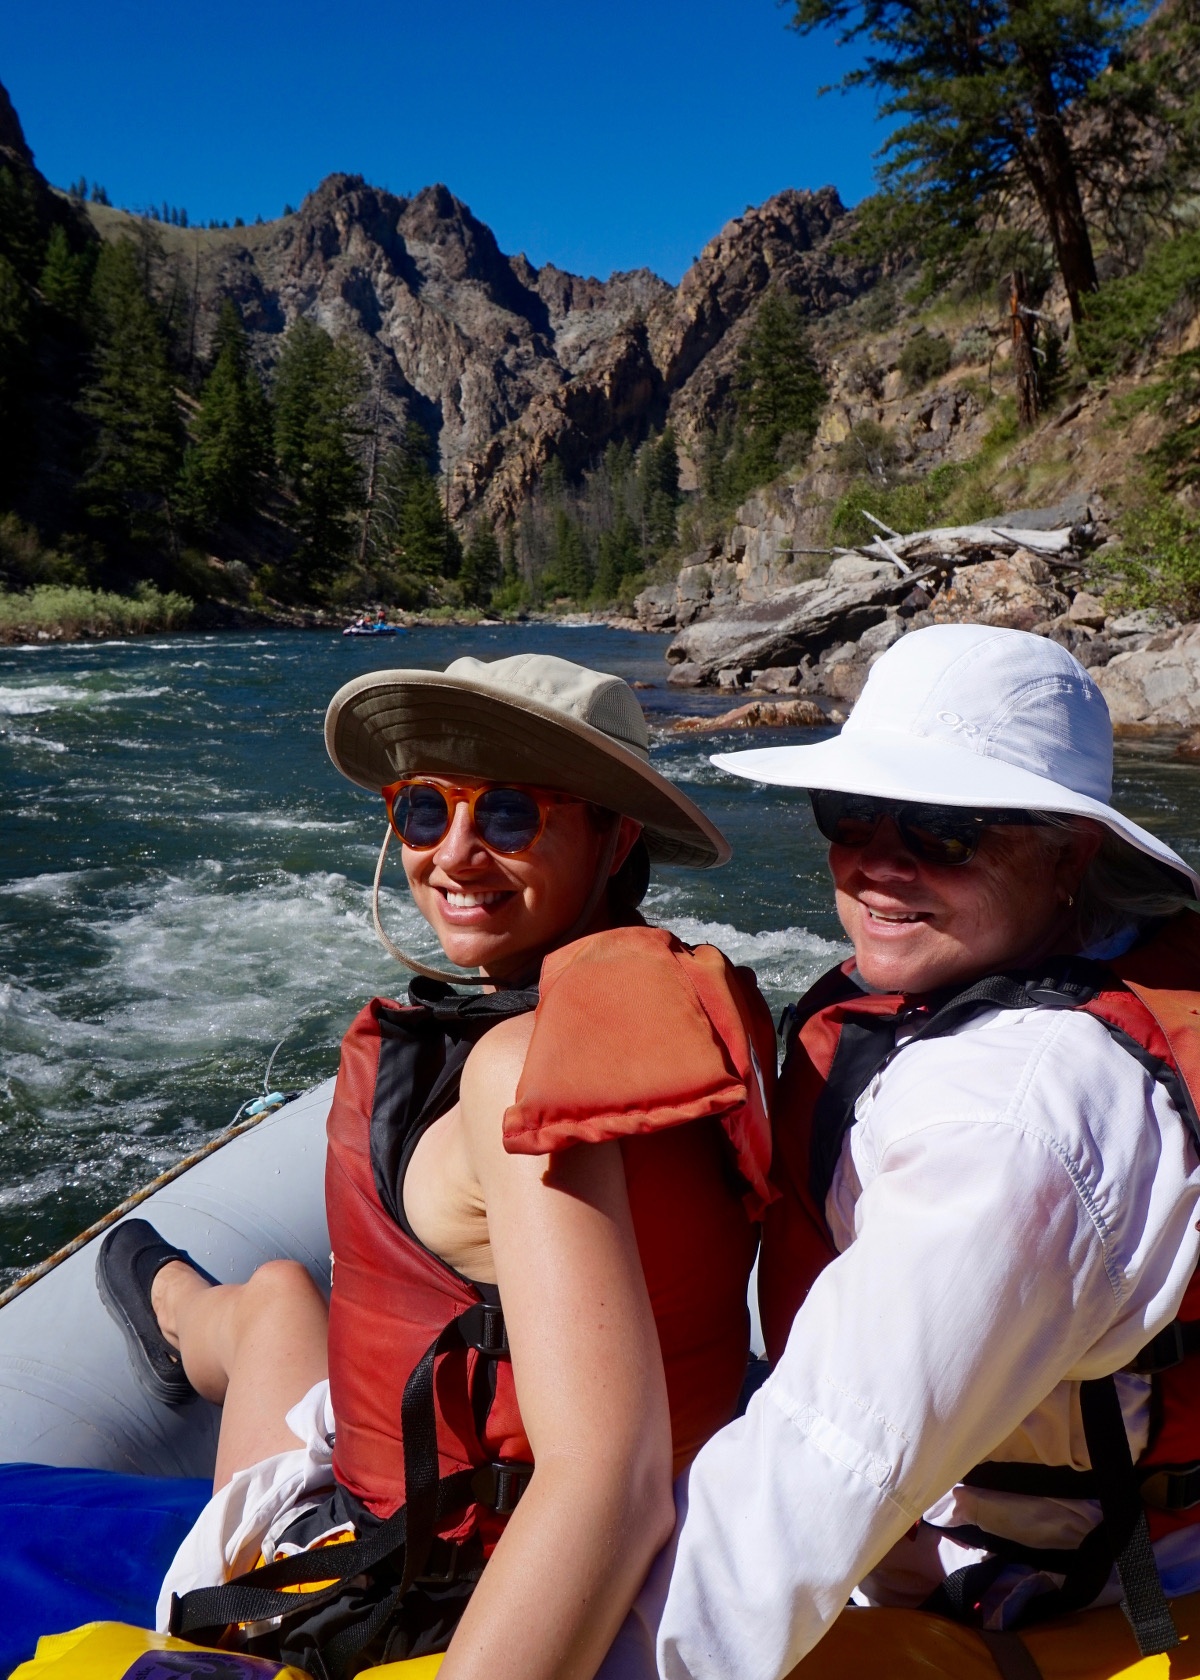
{"x": 959, "y": 724}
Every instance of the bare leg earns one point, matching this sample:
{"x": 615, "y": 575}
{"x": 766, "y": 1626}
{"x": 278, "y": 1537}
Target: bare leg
{"x": 252, "y": 1348}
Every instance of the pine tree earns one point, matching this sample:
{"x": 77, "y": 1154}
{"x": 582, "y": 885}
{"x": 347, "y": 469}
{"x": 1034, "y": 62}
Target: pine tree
{"x": 66, "y": 275}
{"x": 995, "y": 93}
{"x": 230, "y": 444}
{"x": 138, "y": 448}
{"x": 780, "y": 391}
{"x": 658, "y": 489}
{"x": 21, "y": 238}
{"x": 16, "y": 374}
{"x": 423, "y": 527}
{"x": 570, "y": 571}
{"x": 317, "y": 386}
{"x": 481, "y": 568}
{"x": 410, "y": 531}
{"x": 619, "y": 560}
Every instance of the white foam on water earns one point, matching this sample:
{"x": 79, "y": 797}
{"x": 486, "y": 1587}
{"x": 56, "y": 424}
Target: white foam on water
{"x": 786, "y": 960}
{"x": 197, "y": 968}
{"x": 41, "y": 743}
{"x": 39, "y": 697}
{"x": 60, "y": 885}
{"x": 122, "y": 1064}
{"x": 285, "y": 824}
{"x": 29, "y": 699}
{"x": 694, "y": 770}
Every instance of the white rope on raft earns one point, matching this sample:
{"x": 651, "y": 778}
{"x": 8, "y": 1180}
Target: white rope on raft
{"x": 127, "y": 1206}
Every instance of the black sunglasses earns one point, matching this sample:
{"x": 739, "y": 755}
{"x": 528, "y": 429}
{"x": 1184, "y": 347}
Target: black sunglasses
{"x": 945, "y": 834}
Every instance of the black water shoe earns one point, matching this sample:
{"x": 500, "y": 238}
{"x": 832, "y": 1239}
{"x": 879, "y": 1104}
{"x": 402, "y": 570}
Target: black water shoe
{"x": 130, "y": 1258}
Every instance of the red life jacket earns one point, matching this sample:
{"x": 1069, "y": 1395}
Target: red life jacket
{"x": 840, "y": 1037}
{"x": 638, "y": 1038}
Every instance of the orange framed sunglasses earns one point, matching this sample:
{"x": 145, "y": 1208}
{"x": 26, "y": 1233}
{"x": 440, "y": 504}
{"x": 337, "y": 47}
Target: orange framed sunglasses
{"x": 508, "y": 819}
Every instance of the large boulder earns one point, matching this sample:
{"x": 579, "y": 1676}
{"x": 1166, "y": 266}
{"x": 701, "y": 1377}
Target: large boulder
{"x": 1014, "y": 592}
{"x": 1155, "y": 688}
{"x": 802, "y": 621}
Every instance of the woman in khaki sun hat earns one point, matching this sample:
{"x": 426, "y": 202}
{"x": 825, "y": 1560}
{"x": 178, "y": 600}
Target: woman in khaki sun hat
{"x": 543, "y": 1199}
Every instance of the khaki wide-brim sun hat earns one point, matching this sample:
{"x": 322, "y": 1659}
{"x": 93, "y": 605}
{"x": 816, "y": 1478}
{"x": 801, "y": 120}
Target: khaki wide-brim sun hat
{"x": 967, "y": 714}
{"x": 531, "y": 718}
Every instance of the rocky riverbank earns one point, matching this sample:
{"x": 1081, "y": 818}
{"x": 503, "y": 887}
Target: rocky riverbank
{"x": 820, "y": 637}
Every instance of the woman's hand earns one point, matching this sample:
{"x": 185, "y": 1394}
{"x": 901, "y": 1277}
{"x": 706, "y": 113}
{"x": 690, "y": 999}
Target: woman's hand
{"x": 589, "y": 1378}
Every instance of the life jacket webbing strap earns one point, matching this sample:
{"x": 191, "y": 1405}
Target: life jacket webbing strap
{"x": 1011, "y": 1655}
{"x": 1121, "y": 1537}
{"x": 867, "y": 1044}
{"x": 257, "y": 1596}
{"x": 1124, "y": 1516}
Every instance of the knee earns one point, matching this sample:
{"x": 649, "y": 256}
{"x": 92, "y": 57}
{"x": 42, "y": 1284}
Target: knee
{"x": 277, "y": 1289}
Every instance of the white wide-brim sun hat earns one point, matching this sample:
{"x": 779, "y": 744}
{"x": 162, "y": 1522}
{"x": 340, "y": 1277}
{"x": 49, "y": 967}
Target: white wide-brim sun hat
{"x": 964, "y": 714}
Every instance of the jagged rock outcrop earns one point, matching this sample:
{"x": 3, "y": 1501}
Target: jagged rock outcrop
{"x": 791, "y": 626}
{"x": 822, "y": 637}
{"x": 507, "y": 365}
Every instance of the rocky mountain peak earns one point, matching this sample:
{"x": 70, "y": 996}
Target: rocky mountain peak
{"x": 506, "y": 365}
{"x": 13, "y": 145}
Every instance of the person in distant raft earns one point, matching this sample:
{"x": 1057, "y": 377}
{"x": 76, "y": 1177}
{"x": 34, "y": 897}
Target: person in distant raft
{"x": 979, "y": 1288}
{"x": 543, "y": 1203}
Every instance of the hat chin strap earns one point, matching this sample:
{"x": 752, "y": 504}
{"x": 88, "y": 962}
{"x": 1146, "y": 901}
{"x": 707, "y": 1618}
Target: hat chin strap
{"x": 599, "y": 885}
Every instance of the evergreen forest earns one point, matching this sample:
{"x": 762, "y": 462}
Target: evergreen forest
{"x": 1049, "y": 150}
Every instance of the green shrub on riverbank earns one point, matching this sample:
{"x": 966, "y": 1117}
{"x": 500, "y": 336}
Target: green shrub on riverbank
{"x": 70, "y": 612}
{"x": 1158, "y": 561}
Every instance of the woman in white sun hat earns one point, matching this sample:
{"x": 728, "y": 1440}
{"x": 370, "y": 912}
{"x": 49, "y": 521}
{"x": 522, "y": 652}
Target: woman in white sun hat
{"x": 986, "y": 1143}
{"x": 543, "y": 1203}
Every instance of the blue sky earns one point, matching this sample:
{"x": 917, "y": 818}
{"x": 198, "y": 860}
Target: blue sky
{"x": 597, "y": 134}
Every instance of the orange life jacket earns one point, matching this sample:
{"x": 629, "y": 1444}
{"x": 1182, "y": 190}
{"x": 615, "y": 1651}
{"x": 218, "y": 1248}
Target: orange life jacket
{"x": 638, "y": 1038}
{"x": 839, "y": 1037}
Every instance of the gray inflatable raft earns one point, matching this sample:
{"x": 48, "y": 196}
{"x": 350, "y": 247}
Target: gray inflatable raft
{"x": 68, "y": 1395}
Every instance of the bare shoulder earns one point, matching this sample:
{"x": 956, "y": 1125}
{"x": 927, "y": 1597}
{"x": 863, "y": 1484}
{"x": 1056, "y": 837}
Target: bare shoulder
{"x": 489, "y": 1084}
{"x": 499, "y": 1056}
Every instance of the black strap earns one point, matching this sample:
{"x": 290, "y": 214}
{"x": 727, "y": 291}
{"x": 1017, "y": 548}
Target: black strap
{"x": 865, "y": 1045}
{"x": 1162, "y": 1072}
{"x": 1011, "y": 1655}
{"x": 1121, "y": 1537}
{"x": 1124, "y": 1517}
{"x": 868, "y": 1042}
{"x": 402, "y": 1544}
{"x": 422, "y": 1052}
{"x": 1036, "y": 1481}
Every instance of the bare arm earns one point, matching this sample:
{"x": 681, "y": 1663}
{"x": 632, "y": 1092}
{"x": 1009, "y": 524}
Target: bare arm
{"x": 589, "y": 1378}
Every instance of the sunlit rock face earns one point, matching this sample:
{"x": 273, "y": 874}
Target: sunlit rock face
{"x": 506, "y": 365}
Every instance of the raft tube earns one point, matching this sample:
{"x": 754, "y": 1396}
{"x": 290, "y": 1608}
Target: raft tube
{"x": 68, "y": 1394}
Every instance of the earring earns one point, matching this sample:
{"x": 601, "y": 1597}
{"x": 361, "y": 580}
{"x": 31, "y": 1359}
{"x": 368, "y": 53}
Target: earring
{"x": 1070, "y": 901}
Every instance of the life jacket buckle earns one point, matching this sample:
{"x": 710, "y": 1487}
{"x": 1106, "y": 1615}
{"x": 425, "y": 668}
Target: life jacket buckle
{"x": 499, "y": 1486}
{"x": 1059, "y": 991}
{"x": 1173, "y": 1490}
{"x": 484, "y": 1331}
{"x": 431, "y": 1575}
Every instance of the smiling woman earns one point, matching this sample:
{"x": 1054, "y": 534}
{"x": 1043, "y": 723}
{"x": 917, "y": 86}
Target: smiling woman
{"x": 548, "y": 1192}
{"x": 988, "y": 1149}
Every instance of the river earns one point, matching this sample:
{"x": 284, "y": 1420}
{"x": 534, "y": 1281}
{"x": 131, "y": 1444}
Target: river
{"x": 185, "y": 880}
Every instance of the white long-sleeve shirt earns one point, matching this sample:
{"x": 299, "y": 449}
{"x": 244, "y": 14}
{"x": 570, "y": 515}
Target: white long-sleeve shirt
{"x": 1015, "y": 1211}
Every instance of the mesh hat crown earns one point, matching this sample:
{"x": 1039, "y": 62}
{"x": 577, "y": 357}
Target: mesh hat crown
{"x": 531, "y": 718}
